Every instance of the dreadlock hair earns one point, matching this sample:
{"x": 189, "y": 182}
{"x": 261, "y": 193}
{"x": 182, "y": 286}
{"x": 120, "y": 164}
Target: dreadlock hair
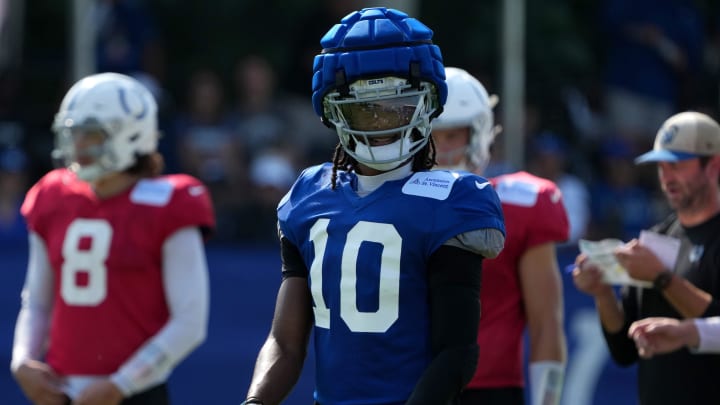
{"x": 423, "y": 160}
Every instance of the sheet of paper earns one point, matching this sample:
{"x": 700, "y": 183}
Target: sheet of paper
{"x": 601, "y": 254}
{"x": 665, "y": 247}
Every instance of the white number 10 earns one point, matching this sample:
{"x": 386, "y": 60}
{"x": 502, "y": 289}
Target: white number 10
{"x": 90, "y": 261}
{"x": 389, "y": 283}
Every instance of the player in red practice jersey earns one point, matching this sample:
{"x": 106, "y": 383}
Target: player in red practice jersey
{"x": 116, "y": 291}
{"x": 522, "y": 286}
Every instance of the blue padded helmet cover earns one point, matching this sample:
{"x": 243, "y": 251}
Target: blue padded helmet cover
{"x": 376, "y": 42}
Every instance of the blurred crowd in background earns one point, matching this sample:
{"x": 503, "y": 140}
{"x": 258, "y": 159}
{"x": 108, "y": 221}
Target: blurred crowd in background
{"x": 233, "y": 79}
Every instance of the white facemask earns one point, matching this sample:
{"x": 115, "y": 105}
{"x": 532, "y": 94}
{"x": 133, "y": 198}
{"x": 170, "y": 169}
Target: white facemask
{"x": 89, "y": 173}
{"x": 383, "y": 153}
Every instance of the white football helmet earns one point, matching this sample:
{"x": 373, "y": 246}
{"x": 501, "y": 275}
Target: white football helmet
{"x": 118, "y": 106}
{"x": 469, "y": 105}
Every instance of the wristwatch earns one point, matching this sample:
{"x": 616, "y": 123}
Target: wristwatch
{"x": 662, "y": 281}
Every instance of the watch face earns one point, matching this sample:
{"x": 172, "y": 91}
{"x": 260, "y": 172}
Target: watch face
{"x": 662, "y": 280}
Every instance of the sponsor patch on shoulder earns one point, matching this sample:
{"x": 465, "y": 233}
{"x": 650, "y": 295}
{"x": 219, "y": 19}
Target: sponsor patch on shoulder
{"x": 155, "y": 192}
{"x": 432, "y": 184}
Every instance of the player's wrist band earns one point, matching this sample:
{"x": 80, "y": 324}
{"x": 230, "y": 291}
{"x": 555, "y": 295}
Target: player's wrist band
{"x": 546, "y": 382}
{"x": 252, "y": 401}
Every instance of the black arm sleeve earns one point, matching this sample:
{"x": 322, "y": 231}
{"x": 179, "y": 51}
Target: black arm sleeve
{"x": 292, "y": 262}
{"x": 621, "y": 347}
{"x": 454, "y": 284}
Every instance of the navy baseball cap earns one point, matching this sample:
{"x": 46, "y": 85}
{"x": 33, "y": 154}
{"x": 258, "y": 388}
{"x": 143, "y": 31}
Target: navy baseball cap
{"x": 683, "y": 136}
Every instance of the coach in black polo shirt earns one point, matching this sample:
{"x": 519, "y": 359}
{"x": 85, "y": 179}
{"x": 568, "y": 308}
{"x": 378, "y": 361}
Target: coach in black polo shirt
{"x": 687, "y": 154}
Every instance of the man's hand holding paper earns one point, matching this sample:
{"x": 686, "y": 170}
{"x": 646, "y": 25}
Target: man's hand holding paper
{"x": 637, "y": 262}
{"x": 603, "y": 255}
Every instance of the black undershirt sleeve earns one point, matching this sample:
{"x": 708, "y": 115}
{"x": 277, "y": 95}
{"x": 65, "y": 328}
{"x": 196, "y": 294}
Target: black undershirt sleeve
{"x": 621, "y": 347}
{"x": 292, "y": 262}
{"x": 454, "y": 289}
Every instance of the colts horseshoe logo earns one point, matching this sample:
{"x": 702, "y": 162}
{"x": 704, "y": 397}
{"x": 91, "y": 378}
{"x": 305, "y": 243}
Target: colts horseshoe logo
{"x": 123, "y": 102}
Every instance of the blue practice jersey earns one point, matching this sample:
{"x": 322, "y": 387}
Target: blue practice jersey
{"x": 367, "y": 258}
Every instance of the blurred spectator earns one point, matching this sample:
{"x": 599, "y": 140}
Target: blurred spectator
{"x": 621, "y": 207}
{"x": 13, "y": 185}
{"x": 128, "y": 40}
{"x": 261, "y": 121}
{"x": 585, "y": 111}
{"x": 208, "y": 148}
{"x": 548, "y": 159}
{"x": 272, "y": 173}
{"x": 311, "y": 137}
{"x": 706, "y": 89}
{"x": 309, "y": 133}
{"x": 273, "y": 170}
{"x": 306, "y": 43}
{"x": 653, "y": 48}
{"x": 267, "y": 119}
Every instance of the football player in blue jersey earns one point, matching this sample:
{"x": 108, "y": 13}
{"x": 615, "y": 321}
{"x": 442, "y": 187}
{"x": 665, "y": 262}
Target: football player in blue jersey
{"x": 380, "y": 256}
